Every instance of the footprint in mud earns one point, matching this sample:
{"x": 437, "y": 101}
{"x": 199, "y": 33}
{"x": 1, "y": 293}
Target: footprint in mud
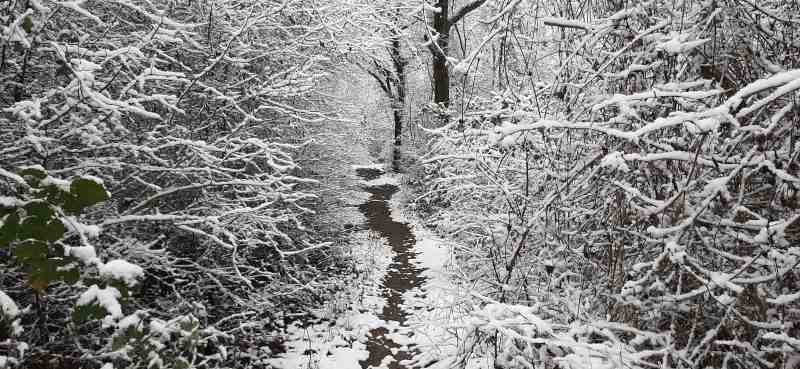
{"x": 402, "y": 275}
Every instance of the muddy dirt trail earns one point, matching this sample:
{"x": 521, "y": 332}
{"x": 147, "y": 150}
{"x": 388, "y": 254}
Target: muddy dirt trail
{"x": 402, "y": 276}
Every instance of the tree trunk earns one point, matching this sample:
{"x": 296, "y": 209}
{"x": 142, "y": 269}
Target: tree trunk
{"x": 399, "y": 103}
{"x": 398, "y": 126}
{"x": 441, "y": 75}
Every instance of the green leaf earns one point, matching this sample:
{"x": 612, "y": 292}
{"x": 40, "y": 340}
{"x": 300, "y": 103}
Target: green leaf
{"x": 84, "y": 313}
{"x": 27, "y": 24}
{"x": 39, "y": 209}
{"x": 40, "y": 223}
{"x": 123, "y": 288}
{"x": 5, "y": 211}
{"x": 44, "y": 272}
{"x": 55, "y": 195}
{"x": 31, "y": 251}
{"x": 38, "y": 282}
{"x": 6, "y": 330}
{"x": 32, "y": 175}
{"x": 70, "y": 276}
{"x": 42, "y": 229}
{"x": 119, "y": 342}
{"x": 85, "y": 193}
{"x": 9, "y": 229}
{"x": 53, "y": 231}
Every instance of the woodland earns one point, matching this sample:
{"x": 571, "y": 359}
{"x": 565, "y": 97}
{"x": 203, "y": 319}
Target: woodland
{"x": 614, "y": 183}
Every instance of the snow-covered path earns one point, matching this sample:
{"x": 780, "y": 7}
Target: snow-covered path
{"x": 396, "y": 304}
{"x": 400, "y": 302}
{"x": 403, "y": 274}
{"x": 422, "y": 302}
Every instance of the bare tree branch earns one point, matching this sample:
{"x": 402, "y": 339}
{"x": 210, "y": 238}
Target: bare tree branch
{"x": 461, "y": 13}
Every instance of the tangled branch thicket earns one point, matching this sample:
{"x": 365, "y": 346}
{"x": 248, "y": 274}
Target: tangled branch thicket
{"x": 640, "y": 208}
{"x": 186, "y": 112}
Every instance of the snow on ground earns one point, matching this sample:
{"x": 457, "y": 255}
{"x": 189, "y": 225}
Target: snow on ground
{"x": 338, "y": 342}
{"x": 382, "y": 180}
{"x": 340, "y": 345}
{"x": 440, "y": 305}
{"x": 434, "y": 256}
{"x": 371, "y": 256}
{"x": 379, "y": 166}
{"x": 436, "y": 307}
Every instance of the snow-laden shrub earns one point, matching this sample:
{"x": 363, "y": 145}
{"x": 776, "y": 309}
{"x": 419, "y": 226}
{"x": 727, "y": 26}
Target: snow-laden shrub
{"x": 644, "y": 199}
{"x": 183, "y": 110}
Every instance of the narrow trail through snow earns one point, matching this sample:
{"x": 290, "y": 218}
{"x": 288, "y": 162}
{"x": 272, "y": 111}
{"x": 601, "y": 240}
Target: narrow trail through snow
{"x": 402, "y": 276}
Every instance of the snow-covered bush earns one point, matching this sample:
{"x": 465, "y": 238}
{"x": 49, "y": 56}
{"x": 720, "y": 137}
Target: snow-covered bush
{"x": 643, "y": 195}
{"x": 182, "y": 110}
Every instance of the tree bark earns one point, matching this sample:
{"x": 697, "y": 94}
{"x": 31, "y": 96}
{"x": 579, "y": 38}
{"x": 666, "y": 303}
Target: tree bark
{"x": 442, "y": 22}
{"x": 441, "y": 75}
{"x": 399, "y": 103}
